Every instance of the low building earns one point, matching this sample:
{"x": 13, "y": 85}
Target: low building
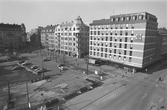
{"x": 12, "y": 37}
{"x": 34, "y": 38}
{"x": 73, "y": 38}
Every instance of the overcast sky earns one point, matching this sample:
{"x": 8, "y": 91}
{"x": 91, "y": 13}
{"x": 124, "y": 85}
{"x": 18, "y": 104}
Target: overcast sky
{"x": 35, "y": 13}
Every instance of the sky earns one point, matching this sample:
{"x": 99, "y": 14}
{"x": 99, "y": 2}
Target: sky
{"x": 34, "y": 13}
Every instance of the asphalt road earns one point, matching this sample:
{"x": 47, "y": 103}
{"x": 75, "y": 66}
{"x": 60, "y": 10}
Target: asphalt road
{"x": 137, "y": 97}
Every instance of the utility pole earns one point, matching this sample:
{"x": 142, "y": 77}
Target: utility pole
{"x": 29, "y": 104}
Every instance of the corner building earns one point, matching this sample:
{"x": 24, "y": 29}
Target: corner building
{"x": 73, "y": 38}
{"x": 128, "y": 40}
{"x": 12, "y": 37}
{"x": 47, "y": 36}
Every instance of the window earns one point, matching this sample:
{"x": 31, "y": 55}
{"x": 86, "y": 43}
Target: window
{"x": 126, "y": 39}
{"x": 126, "y": 26}
{"x": 115, "y": 32}
{"x": 110, "y": 50}
{"x": 120, "y": 39}
{"x": 127, "y": 18}
{"x": 98, "y": 32}
{"x": 115, "y": 45}
{"x": 124, "y": 52}
{"x": 140, "y": 17}
{"x": 106, "y": 38}
{"x": 120, "y": 45}
{"x": 126, "y": 33}
{"x": 120, "y": 32}
{"x": 101, "y": 54}
{"x": 131, "y": 46}
{"x": 102, "y": 49}
{"x": 110, "y": 38}
{"x": 94, "y": 32}
{"x": 131, "y": 40}
{"x": 115, "y": 39}
{"x": 132, "y": 33}
{"x": 125, "y": 45}
{"x": 132, "y": 26}
{"x": 130, "y": 53}
{"x": 102, "y": 39}
{"x": 110, "y": 44}
{"x": 106, "y": 55}
{"x": 105, "y": 49}
{"x": 134, "y": 17}
{"x": 130, "y": 59}
{"x": 114, "y": 50}
{"x": 111, "y": 33}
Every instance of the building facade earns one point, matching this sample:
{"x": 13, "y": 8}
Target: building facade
{"x": 73, "y": 38}
{"x": 162, "y": 33}
{"x": 34, "y": 37}
{"x": 12, "y": 37}
{"x": 129, "y": 40}
{"x": 47, "y": 36}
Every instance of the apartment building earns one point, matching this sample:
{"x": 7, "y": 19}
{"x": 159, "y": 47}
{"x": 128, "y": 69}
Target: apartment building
{"x": 162, "y": 34}
{"x": 127, "y": 40}
{"x": 73, "y": 38}
{"x": 12, "y": 37}
{"x": 47, "y": 36}
{"x": 34, "y": 37}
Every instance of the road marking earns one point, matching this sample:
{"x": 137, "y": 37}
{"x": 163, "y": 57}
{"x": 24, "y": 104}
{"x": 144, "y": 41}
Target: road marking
{"x": 144, "y": 96}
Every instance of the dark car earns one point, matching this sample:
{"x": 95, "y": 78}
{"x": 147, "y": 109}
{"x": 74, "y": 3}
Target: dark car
{"x": 94, "y": 83}
{"x": 46, "y": 59}
{"x": 72, "y": 95}
{"x": 60, "y": 65}
{"x": 84, "y": 89}
{"x": 51, "y": 103}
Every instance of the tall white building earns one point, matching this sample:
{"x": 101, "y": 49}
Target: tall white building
{"x": 72, "y": 38}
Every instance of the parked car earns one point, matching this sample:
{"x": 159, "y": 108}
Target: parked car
{"x": 72, "y": 95}
{"x": 17, "y": 68}
{"x": 93, "y": 83}
{"x": 51, "y": 103}
{"x": 34, "y": 67}
{"x": 61, "y": 66}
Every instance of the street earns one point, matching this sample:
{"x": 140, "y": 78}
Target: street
{"x": 136, "y": 97}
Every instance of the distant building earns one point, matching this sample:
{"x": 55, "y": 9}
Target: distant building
{"x": 12, "y": 37}
{"x": 47, "y": 36}
{"x": 34, "y": 37}
{"x": 127, "y": 41}
{"x": 162, "y": 34}
{"x": 73, "y": 38}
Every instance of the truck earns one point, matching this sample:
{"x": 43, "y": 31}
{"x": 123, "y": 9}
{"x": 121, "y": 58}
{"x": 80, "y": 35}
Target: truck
{"x": 94, "y": 62}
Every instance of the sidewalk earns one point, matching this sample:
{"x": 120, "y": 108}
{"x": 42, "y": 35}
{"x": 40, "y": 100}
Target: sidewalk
{"x": 95, "y": 96}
